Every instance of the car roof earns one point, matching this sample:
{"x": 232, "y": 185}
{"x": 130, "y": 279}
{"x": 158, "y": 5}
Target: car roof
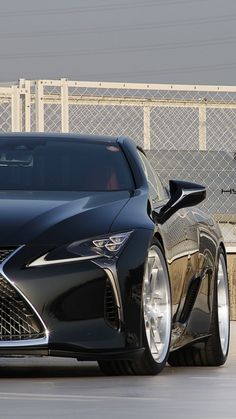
{"x": 59, "y": 136}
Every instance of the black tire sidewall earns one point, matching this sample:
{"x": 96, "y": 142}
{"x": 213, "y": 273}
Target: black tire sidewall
{"x": 214, "y": 340}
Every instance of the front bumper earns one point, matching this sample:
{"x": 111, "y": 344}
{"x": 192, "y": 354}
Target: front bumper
{"x": 69, "y": 302}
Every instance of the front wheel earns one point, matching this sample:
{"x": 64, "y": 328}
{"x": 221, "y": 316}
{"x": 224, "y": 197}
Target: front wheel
{"x": 156, "y": 320}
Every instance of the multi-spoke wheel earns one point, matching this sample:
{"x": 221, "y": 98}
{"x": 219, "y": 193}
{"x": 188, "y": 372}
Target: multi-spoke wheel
{"x": 157, "y": 305}
{"x": 156, "y": 309}
{"x": 215, "y": 350}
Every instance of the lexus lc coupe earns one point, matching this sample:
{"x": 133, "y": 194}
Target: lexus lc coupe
{"x": 98, "y": 261}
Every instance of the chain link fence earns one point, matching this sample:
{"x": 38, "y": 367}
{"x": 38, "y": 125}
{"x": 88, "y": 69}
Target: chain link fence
{"x": 188, "y": 131}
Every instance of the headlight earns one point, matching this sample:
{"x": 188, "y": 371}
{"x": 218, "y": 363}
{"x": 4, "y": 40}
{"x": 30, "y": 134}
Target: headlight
{"x": 107, "y": 246}
{"x": 104, "y": 246}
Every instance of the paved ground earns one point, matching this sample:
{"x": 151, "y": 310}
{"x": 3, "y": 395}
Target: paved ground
{"x": 61, "y": 388}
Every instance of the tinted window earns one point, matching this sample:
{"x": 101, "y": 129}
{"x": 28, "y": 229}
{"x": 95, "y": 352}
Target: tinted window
{"x": 35, "y": 164}
{"x": 156, "y": 189}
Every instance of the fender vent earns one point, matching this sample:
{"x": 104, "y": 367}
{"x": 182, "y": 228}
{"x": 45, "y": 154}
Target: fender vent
{"x": 110, "y": 308}
{"x": 17, "y": 319}
{"x": 190, "y": 299}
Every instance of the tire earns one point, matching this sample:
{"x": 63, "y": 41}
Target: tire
{"x": 156, "y": 320}
{"x": 214, "y": 351}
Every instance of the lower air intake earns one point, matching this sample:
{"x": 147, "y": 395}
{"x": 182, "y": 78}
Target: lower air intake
{"x": 110, "y": 307}
{"x": 17, "y": 319}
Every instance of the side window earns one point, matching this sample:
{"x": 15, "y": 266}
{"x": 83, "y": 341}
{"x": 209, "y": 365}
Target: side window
{"x": 156, "y": 188}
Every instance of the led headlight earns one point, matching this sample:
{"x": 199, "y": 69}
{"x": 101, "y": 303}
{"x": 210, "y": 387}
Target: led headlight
{"x": 104, "y": 246}
{"x": 107, "y": 246}
{"x": 113, "y": 243}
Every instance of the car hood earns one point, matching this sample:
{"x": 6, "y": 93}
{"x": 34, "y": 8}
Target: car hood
{"x": 57, "y": 217}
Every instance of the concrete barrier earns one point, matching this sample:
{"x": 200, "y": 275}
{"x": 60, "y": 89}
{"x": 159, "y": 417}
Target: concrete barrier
{"x": 231, "y": 260}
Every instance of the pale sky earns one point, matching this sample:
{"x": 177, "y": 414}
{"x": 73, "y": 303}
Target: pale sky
{"x": 149, "y": 41}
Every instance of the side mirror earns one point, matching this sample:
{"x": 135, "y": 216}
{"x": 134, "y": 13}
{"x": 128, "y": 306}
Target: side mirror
{"x": 182, "y": 194}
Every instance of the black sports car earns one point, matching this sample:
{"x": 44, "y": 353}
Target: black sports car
{"x": 98, "y": 261}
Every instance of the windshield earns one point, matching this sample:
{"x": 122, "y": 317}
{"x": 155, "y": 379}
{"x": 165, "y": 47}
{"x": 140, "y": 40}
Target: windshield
{"x": 33, "y": 164}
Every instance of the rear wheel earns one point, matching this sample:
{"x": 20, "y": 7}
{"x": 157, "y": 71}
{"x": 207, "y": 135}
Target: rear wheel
{"x": 215, "y": 350}
{"x": 156, "y": 327}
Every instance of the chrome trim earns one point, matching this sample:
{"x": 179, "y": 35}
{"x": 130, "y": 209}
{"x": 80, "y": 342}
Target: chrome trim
{"x": 186, "y": 192}
{"x": 26, "y": 342}
{"x": 116, "y": 295}
{"x": 109, "y": 268}
{"x": 113, "y": 285}
{"x": 23, "y": 343}
{"x": 41, "y": 261}
{"x": 9, "y": 257}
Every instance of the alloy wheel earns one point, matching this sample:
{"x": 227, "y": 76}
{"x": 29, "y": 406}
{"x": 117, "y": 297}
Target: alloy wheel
{"x": 157, "y": 304}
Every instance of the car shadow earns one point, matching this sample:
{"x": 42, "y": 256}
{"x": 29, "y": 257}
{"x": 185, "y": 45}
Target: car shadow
{"x": 60, "y": 368}
{"x": 40, "y": 369}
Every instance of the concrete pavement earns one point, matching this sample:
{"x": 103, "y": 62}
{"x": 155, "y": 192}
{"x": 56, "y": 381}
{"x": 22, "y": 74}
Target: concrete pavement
{"x": 63, "y": 388}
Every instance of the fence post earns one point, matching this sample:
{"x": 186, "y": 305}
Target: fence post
{"x": 25, "y": 95}
{"x": 15, "y": 109}
{"x": 64, "y": 106}
{"x": 39, "y": 106}
{"x": 202, "y": 127}
{"x": 27, "y": 106}
{"x": 146, "y": 128}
